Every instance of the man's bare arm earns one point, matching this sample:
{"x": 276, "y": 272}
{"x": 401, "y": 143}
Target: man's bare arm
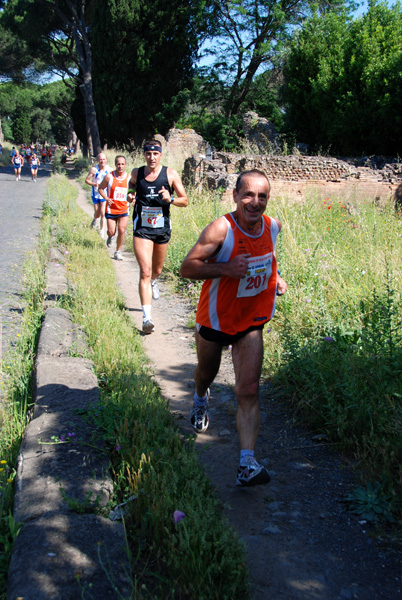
{"x": 131, "y": 196}
{"x": 180, "y": 199}
{"x": 102, "y": 187}
{"x": 89, "y": 179}
{"x": 195, "y": 266}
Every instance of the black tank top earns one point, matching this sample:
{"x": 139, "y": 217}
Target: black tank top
{"x": 146, "y": 213}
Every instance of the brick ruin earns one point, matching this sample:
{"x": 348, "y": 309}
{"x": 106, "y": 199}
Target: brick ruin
{"x": 294, "y": 175}
{"x": 291, "y": 176}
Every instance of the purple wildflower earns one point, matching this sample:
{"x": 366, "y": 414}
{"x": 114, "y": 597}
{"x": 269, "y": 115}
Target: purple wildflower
{"x": 328, "y": 338}
{"x": 178, "y": 516}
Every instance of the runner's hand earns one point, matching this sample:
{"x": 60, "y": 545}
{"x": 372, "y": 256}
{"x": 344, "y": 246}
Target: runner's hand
{"x": 281, "y": 286}
{"x": 164, "y": 195}
{"x": 238, "y": 266}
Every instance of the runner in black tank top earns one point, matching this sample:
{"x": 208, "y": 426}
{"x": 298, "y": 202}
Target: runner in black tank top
{"x": 152, "y": 188}
{"x": 151, "y": 217}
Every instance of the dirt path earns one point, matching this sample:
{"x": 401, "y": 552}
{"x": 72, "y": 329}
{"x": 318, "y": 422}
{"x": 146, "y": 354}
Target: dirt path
{"x": 301, "y": 541}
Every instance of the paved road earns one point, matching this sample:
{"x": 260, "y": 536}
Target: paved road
{"x": 20, "y": 214}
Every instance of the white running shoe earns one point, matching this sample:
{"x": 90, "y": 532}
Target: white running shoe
{"x": 251, "y": 473}
{"x": 117, "y": 255}
{"x": 155, "y": 290}
{"x": 199, "y": 416}
{"x": 147, "y": 326}
{"x": 102, "y": 234}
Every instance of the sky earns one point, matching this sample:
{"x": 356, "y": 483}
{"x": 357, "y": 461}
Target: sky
{"x": 208, "y": 60}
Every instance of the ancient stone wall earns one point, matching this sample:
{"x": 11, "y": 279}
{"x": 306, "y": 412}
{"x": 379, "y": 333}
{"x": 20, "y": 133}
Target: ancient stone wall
{"x": 221, "y": 172}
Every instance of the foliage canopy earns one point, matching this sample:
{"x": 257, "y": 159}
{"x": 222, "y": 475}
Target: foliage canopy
{"x": 343, "y": 86}
{"x": 145, "y": 54}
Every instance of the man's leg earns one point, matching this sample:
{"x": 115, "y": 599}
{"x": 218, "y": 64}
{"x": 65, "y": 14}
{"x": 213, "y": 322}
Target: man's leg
{"x": 111, "y": 227}
{"x": 102, "y": 208}
{"x": 209, "y": 360}
{"x": 121, "y": 232}
{"x": 96, "y": 214}
{"x": 158, "y": 259}
{"x": 247, "y": 355}
{"x": 143, "y": 250}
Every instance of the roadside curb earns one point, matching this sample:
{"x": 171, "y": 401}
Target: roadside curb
{"x": 65, "y": 550}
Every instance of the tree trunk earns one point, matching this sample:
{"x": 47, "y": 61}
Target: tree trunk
{"x": 90, "y": 116}
{"x": 89, "y": 143}
{"x": 79, "y": 32}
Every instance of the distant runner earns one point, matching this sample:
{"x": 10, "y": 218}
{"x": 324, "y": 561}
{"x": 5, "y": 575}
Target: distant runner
{"x": 114, "y": 189}
{"x": 17, "y": 161}
{"x": 34, "y": 166}
{"x": 94, "y": 179}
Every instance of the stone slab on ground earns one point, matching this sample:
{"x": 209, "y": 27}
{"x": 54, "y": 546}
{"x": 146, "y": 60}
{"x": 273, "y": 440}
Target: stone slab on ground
{"x": 64, "y": 550}
{"x": 58, "y": 555}
{"x": 58, "y": 286}
{"x": 60, "y": 336}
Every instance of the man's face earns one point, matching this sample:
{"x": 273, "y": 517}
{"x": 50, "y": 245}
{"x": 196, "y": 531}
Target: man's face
{"x": 153, "y": 158}
{"x": 120, "y": 166}
{"x": 251, "y": 200}
{"x": 102, "y": 160}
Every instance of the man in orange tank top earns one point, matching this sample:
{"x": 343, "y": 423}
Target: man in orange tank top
{"x": 113, "y": 189}
{"x": 236, "y": 256}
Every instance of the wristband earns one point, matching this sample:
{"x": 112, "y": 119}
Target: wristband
{"x": 278, "y": 293}
{"x": 171, "y": 200}
{"x": 130, "y": 191}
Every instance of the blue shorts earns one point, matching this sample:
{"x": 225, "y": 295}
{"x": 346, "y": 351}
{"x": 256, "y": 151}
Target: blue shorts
{"x": 115, "y": 217}
{"x": 98, "y": 200}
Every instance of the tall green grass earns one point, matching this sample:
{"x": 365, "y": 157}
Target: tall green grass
{"x": 334, "y": 347}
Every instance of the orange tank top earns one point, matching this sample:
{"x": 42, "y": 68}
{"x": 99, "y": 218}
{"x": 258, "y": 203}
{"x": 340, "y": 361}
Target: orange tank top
{"x": 117, "y": 190}
{"x": 232, "y": 305}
